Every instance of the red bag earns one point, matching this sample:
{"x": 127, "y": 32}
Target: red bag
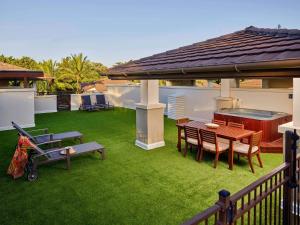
{"x": 20, "y": 158}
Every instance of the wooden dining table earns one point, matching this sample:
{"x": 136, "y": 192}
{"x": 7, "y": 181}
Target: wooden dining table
{"x": 231, "y": 133}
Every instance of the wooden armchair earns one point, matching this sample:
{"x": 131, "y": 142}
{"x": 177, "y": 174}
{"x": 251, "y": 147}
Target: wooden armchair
{"x": 182, "y": 120}
{"x": 219, "y": 122}
{"x": 210, "y": 143}
{"x": 237, "y": 125}
{"x": 241, "y": 126}
{"x": 192, "y": 138}
{"x": 250, "y": 150}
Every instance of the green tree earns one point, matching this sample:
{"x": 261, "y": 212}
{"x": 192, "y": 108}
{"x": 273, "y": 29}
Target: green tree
{"x": 24, "y": 61}
{"x": 49, "y": 67}
{"x": 75, "y": 70}
{"x": 68, "y": 74}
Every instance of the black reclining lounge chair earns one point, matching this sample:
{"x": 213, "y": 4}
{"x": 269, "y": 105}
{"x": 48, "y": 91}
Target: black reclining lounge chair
{"x": 86, "y": 104}
{"x": 38, "y": 156}
{"x": 48, "y": 138}
{"x": 100, "y": 101}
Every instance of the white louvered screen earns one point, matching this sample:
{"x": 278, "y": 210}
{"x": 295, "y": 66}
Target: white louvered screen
{"x": 175, "y": 106}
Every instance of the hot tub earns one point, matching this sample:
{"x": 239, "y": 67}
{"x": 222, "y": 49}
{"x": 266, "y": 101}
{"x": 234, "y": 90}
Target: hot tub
{"x": 253, "y": 119}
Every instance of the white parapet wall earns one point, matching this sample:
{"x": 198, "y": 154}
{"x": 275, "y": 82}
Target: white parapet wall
{"x": 16, "y": 104}
{"x": 123, "y": 95}
{"x": 75, "y": 101}
{"x": 45, "y": 104}
{"x": 200, "y": 103}
{"x": 265, "y": 99}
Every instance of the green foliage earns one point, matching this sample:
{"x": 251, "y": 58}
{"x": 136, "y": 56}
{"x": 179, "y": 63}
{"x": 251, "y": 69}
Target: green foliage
{"x": 217, "y": 81}
{"x": 74, "y": 70}
{"x": 68, "y": 74}
{"x": 24, "y": 61}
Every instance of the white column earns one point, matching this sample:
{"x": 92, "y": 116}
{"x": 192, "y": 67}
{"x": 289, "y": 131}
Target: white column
{"x": 149, "y": 117}
{"x": 149, "y": 92}
{"x": 34, "y": 87}
{"x": 225, "y": 88}
{"x": 296, "y": 102}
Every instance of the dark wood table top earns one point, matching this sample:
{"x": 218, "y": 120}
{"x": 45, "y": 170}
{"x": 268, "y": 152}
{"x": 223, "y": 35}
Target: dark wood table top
{"x": 227, "y": 132}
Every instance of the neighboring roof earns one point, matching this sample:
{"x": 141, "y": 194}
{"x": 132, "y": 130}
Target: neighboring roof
{"x": 8, "y": 71}
{"x": 249, "y": 49}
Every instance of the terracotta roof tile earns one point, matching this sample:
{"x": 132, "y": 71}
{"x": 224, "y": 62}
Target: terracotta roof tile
{"x": 8, "y": 71}
{"x": 250, "y": 45}
{"x": 9, "y": 67}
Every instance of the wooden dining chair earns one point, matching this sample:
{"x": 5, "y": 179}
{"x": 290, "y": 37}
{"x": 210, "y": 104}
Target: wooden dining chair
{"x": 182, "y": 120}
{"x": 192, "y": 138}
{"x": 251, "y": 149}
{"x": 237, "y": 125}
{"x": 210, "y": 143}
{"x": 219, "y": 122}
{"x": 240, "y": 126}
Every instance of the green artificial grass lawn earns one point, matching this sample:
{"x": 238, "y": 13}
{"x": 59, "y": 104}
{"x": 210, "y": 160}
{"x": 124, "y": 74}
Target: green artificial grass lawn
{"x": 131, "y": 186}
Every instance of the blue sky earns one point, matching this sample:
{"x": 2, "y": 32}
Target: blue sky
{"x": 115, "y": 30}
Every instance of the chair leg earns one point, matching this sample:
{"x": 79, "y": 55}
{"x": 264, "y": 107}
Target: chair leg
{"x": 216, "y": 160}
{"x": 101, "y": 153}
{"x": 250, "y": 163}
{"x": 201, "y": 154}
{"x": 238, "y": 155}
{"x": 68, "y": 163}
{"x": 198, "y": 153}
{"x": 185, "y": 149}
{"x": 259, "y": 160}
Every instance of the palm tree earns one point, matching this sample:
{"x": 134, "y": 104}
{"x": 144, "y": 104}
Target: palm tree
{"x": 74, "y": 68}
{"x": 49, "y": 68}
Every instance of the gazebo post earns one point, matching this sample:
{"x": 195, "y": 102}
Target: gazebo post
{"x": 25, "y": 82}
{"x": 296, "y": 102}
{"x": 149, "y": 117}
{"x": 225, "y": 88}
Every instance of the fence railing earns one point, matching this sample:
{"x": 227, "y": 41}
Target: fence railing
{"x": 272, "y": 199}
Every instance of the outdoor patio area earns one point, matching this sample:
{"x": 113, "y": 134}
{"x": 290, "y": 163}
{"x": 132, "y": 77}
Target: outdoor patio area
{"x": 131, "y": 186}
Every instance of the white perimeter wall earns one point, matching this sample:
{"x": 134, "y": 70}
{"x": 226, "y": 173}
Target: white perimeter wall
{"x": 265, "y": 99}
{"x": 200, "y": 102}
{"x": 16, "y": 105}
{"x": 45, "y": 104}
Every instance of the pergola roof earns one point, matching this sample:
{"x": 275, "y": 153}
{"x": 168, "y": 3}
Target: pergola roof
{"x": 8, "y": 71}
{"x": 249, "y": 53}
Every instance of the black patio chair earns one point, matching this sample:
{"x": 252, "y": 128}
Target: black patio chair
{"x": 100, "y": 101}
{"x": 48, "y": 138}
{"x": 38, "y": 156}
{"x": 86, "y": 104}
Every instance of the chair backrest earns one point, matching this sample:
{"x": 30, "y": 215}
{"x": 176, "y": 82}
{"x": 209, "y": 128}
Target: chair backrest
{"x": 255, "y": 139}
{"x": 38, "y": 150}
{"x": 100, "y": 99}
{"x": 86, "y": 100}
{"x": 22, "y": 132}
{"x": 237, "y": 125}
{"x": 191, "y": 132}
{"x": 182, "y": 120}
{"x": 219, "y": 122}
{"x": 208, "y": 136}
